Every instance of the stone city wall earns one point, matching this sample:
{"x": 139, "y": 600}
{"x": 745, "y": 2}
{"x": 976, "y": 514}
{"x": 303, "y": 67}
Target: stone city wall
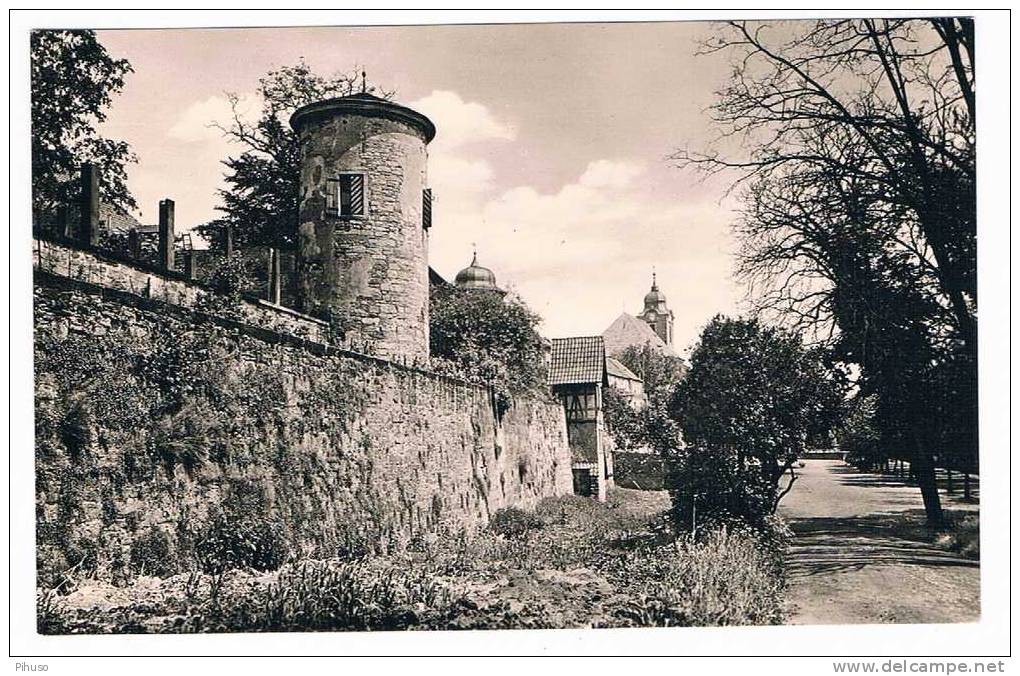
{"x": 155, "y": 419}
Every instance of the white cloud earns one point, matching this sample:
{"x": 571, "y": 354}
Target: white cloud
{"x": 583, "y": 253}
{"x": 451, "y": 174}
{"x": 459, "y": 122}
{"x": 609, "y": 174}
{"x": 198, "y": 121}
{"x": 460, "y": 173}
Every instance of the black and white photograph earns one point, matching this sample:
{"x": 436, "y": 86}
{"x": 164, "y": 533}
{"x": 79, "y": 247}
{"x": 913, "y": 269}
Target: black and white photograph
{"x": 345, "y": 327}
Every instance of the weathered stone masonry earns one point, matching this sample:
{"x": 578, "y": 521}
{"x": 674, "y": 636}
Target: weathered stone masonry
{"x": 369, "y": 269}
{"x": 413, "y": 452}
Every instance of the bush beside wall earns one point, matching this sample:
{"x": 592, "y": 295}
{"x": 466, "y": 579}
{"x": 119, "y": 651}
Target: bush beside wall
{"x": 643, "y": 471}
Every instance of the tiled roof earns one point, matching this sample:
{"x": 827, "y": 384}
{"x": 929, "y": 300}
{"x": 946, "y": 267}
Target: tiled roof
{"x": 616, "y": 368}
{"x": 627, "y": 331}
{"x": 115, "y": 219}
{"x": 577, "y": 360}
{"x": 436, "y": 279}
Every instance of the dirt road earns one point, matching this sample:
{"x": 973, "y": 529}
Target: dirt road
{"x": 862, "y": 554}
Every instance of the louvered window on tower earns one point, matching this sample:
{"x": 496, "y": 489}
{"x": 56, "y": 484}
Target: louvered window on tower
{"x": 345, "y": 195}
{"x": 426, "y": 208}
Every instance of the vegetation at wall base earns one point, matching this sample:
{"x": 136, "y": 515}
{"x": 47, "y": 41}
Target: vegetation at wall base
{"x": 573, "y": 562}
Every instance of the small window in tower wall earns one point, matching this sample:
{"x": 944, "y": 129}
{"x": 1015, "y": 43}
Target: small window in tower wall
{"x": 426, "y": 208}
{"x": 345, "y": 195}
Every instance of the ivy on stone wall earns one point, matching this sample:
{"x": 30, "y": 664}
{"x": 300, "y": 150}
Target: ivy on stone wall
{"x": 140, "y": 405}
{"x": 153, "y": 423}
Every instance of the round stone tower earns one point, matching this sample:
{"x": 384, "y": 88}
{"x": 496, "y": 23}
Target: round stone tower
{"x": 362, "y": 240}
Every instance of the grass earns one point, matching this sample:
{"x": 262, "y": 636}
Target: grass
{"x": 572, "y": 562}
{"x": 962, "y": 535}
{"x": 724, "y": 579}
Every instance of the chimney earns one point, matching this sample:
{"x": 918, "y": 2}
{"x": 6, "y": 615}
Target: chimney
{"x": 135, "y": 244}
{"x": 166, "y": 234}
{"x": 88, "y": 230}
{"x": 274, "y": 276}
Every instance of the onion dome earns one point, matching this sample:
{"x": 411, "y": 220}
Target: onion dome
{"x": 655, "y": 299}
{"x": 475, "y": 276}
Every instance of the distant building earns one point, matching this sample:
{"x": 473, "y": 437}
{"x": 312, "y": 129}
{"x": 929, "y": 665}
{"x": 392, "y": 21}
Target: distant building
{"x": 653, "y": 327}
{"x": 116, "y": 221}
{"x": 629, "y": 331}
{"x": 626, "y": 382}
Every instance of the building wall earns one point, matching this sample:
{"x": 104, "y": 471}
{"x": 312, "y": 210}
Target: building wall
{"x": 591, "y": 446}
{"x": 332, "y": 441}
{"x": 372, "y": 271}
{"x": 634, "y": 390}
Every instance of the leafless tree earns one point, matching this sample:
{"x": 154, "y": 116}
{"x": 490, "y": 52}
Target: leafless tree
{"x": 853, "y": 147}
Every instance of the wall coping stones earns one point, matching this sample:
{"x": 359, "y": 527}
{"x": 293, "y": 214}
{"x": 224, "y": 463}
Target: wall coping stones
{"x": 107, "y": 264}
{"x": 283, "y": 309}
{"x": 49, "y": 278}
{"x": 129, "y": 296}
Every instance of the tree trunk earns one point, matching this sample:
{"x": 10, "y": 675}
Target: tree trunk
{"x": 924, "y": 472}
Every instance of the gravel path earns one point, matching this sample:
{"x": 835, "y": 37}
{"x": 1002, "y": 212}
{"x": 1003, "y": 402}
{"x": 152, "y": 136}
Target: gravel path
{"x": 862, "y": 554}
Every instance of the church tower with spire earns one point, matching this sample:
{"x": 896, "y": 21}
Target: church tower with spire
{"x": 657, "y": 315}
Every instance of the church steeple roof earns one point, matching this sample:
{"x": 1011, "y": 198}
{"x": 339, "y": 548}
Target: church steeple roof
{"x": 655, "y": 299}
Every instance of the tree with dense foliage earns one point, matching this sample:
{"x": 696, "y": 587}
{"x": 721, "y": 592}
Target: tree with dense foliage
{"x": 623, "y": 420}
{"x": 489, "y": 338}
{"x": 858, "y": 437}
{"x": 74, "y": 79}
{"x": 754, "y": 400}
{"x": 648, "y": 426}
{"x": 260, "y": 201}
{"x": 660, "y": 372}
{"x": 859, "y": 209}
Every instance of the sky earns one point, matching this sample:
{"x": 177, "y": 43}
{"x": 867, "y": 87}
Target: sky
{"x": 550, "y": 157}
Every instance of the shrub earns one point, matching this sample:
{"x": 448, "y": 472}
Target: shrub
{"x": 724, "y": 578}
{"x": 242, "y": 543}
{"x": 330, "y": 596}
{"x": 963, "y": 536}
{"x": 488, "y": 338}
{"x": 63, "y": 565}
{"x": 456, "y": 553}
{"x": 152, "y": 553}
{"x": 622, "y": 420}
{"x": 713, "y": 486}
{"x": 49, "y": 619}
{"x": 230, "y": 279}
{"x": 754, "y": 400}
{"x": 183, "y": 438}
{"x": 511, "y": 522}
